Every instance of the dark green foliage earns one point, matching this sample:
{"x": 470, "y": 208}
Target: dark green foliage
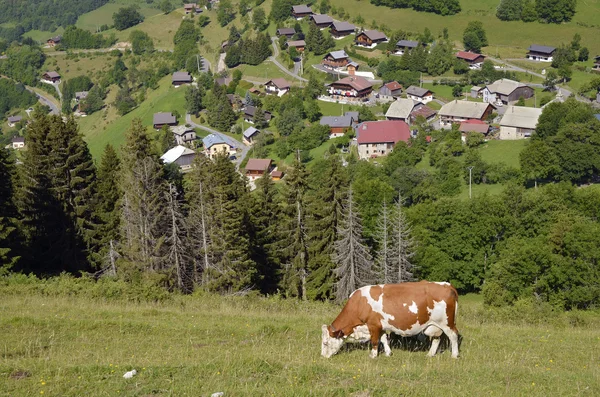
{"x": 474, "y": 37}
{"x": 70, "y": 87}
{"x": 259, "y": 19}
{"x": 94, "y": 101}
{"x": 193, "y": 99}
{"x": 166, "y": 6}
{"x": 75, "y": 38}
{"x": 441, "y": 7}
{"x": 225, "y": 12}
{"x": 141, "y": 43}
{"x": 109, "y": 196}
{"x": 555, "y": 11}
{"x": 281, "y": 10}
{"x": 124, "y": 101}
{"x": 440, "y": 60}
{"x": 563, "y": 55}
{"x": 14, "y": 96}
{"x": 529, "y": 13}
{"x": 220, "y": 112}
{"x": 252, "y": 51}
{"x": 8, "y": 231}
{"x": 127, "y": 17}
{"x": 23, "y": 63}
{"x": 509, "y": 10}
{"x": 289, "y": 120}
{"x": 583, "y": 55}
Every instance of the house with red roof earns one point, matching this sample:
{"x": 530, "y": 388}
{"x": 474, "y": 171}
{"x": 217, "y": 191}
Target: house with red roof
{"x": 473, "y": 59}
{"x": 378, "y": 138}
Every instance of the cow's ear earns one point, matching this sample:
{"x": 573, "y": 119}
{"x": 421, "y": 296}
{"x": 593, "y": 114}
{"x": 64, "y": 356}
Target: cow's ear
{"x": 338, "y": 334}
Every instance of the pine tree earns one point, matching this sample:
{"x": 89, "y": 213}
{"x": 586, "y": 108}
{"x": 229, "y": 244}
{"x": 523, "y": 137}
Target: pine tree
{"x": 8, "y": 229}
{"x": 193, "y": 99}
{"x": 109, "y": 196}
{"x": 220, "y": 111}
{"x": 326, "y": 209}
{"x": 354, "y": 263}
{"x": 179, "y": 259}
{"x": 248, "y": 101}
{"x": 166, "y": 139}
{"x": 260, "y": 120}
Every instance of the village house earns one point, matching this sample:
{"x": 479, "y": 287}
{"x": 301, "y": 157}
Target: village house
{"x": 184, "y": 135}
{"x": 519, "y": 122}
{"x": 458, "y": 111}
{"x": 250, "y": 135}
{"x": 378, "y": 138}
{"x": 250, "y": 111}
{"x": 424, "y": 111}
{"x": 390, "y": 91}
{"x": 287, "y": 32}
{"x": 419, "y": 94}
{"x": 51, "y": 77}
{"x": 18, "y": 142}
{"x": 276, "y": 175}
{"x": 163, "y": 118}
{"x": 472, "y": 59}
{"x": 255, "y": 168}
{"x": 472, "y": 125}
{"x": 540, "y": 53}
{"x": 401, "y": 109}
{"x": 180, "y": 155}
{"x": 277, "y": 87}
{"x": 54, "y": 41}
{"x": 351, "y": 88}
{"x": 13, "y": 120}
{"x": 297, "y": 44}
{"x": 336, "y": 60}
{"x": 339, "y": 125}
{"x": 215, "y": 144}
{"x": 476, "y": 92}
{"x": 405, "y": 45}
{"x": 506, "y": 91}
{"x": 596, "y": 67}
{"x": 192, "y": 8}
{"x": 352, "y": 68}
{"x": 322, "y": 21}
{"x": 301, "y": 11}
{"x": 181, "y": 78}
{"x": 370, "y": 38}
{"x": 340, "y": 29}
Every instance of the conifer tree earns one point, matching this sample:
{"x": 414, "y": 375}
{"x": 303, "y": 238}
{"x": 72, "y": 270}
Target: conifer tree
{"x": 179, "y": 259}
{"x": 220, "y": 111}
{"x": 260, "y": 120}
{"x": 193, "y": 99}
{"x": 354, "y": 263}
{"x": 109, "y": 196}
{"x": 166, "y": 139}
{"x": 8, "y": 229}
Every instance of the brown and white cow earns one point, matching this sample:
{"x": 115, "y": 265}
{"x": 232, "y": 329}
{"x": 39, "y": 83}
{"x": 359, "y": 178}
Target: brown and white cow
{"x": 405, "y": 309}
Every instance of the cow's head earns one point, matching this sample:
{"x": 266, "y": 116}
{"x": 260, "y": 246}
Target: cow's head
{"x": 331, "y": 342}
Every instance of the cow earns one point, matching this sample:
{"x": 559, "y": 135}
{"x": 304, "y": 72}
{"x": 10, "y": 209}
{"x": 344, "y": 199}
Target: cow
{"x": 405, "y": 309}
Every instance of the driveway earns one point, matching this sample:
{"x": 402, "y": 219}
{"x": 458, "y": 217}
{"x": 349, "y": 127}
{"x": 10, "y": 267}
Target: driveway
{"x": 273, "y": 59}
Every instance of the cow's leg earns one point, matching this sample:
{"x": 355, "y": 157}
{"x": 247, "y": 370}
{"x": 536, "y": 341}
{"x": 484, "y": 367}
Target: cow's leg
{"x": 452, "y": 334}
{"x": 375, "y": 335}
{"x": 435, "y": 343}
{"x": 434, "y": 334}
{"x": 386, "y": 344}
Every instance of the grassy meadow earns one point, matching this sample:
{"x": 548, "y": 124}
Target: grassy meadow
{"x": 199, "y": 345}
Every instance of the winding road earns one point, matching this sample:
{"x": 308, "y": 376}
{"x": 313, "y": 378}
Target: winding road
{"x": 273, "y": 59}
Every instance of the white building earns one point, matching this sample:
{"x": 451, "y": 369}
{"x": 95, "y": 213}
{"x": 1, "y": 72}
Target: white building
{"x": 519, "y": 122}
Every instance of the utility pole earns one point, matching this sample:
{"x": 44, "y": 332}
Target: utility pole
{"x": 470, "y": 168}
{"x": 198, "y": 62}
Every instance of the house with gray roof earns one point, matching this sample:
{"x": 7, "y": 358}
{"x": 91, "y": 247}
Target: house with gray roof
{"x": 370, "y": 38}
{"x": 458, "y": 111}
{"x": 506, "y": 91}
{"x": 287, "y": 32}
{"x": 405, "y": 45}
{"x": 340, "y": 29}
{"x": 401, "y": 109}
{"x": 540, "y": 53}
{"x": 250, "y": 135}
{"x": 163, "y": 118}
{"x": 519, "y": 122}
{"x": 339, "y": 125}
{"x": 419, "y": 94}
{"x": 17, "y": 142}
{"x": 321, "y": 20}
{"x": 336, "y": 59}
{"x": 184, "y": 135}
{"x": 301, "y": 11}
{"x": 180, "y": 78}
{"x": 215, "y": 144}
{"x": 12, "y": 120}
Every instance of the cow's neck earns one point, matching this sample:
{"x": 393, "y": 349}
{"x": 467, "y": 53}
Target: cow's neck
{"x": 345, "y": 325}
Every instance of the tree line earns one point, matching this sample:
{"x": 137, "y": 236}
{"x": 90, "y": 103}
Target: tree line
{"x": 545, "y": 11}
{"x": 441, "y": 7}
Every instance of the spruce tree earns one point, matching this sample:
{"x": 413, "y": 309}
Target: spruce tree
{"x": 179, "y": 264}
{"x": 108, "y": 210}
{"x": 260, "y": 120}
{"x": 352, "y": 258}
{"x": 166, "y": 139}
{"x": 193, "y": 99}
{"x": 8, "y": 213}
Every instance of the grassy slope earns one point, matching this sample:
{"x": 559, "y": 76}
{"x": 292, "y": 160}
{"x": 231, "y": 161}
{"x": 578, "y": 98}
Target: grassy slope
{"x": 104, "y": 15}
{"x": 93, "y": 66}
{"x": 251, "y": 347}
{"x": 506, "y": 152}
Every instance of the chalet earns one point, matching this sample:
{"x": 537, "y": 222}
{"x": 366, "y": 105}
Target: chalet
{"x": 13, "y": 120}
{"x": 596, "y": 67}
{"x": 506, "y": 91}
{"x": 180, "y": 155}
{"x": 339, "y": 125}
{"x": 519, "y": 122}
{"x": 352, "y": 68}
{"x": 287, "y": 32}
{"x": 390, "y": 91}
{"x": 223, "y": 81}
{"x": 164, "y": 118}
{"x": 192, "y": 8}
{"x": 401, "y": 109}
{"x": 405, "y": 45}
{"x": 276, "y": 175}
{"x": 340, "y": 29}
{"x": 352, "y": 88}
{"x": 277, "y": 87}
{"x": 250, "y": 111}
{"x": 378, "y": 138}
{"x": 301, "y": 11}
{"x": 458, "y": 111}
{"x": 18, "y": 142}
{"x": 540, "y": 53}
{"x": 53, "y": 41}
{"x": 51, "y": 77}
{"x": 235, "y": 101}
{"x": 424, "y": 111}
{"x": 250, "y": 135}
{"x": 336, "y": 60}
{"x": 181, "y": 78}
{"x": 215, "y": 144}
{"x": 322, "y": 21}
{"x": 419, "y": 94}
{"x": 297, "y": 44}
{"x": 474, "y": 125}
{"x": 474, "y": 60}
{"x": 183, "y": 134}
{"x": 370, "y": 38}
{"x": 255, "y": 168}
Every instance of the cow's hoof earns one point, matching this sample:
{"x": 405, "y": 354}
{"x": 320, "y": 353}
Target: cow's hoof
{"x": 388, "y": 354}
{"x": 373, "y": 354}
{"x": 455, "y": 356}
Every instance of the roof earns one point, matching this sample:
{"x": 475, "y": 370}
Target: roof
{"x": 356, "y": 82}
{"x": 164, "y": 118}
{"x": 296, "y": 43}
{"x": 52, "y": 74}
{"x": 354, "y": 115}
{"x": 476, "y": 88}
{"x": 277, "y": 174}
{"x": 339, "y": 54}
{"x": 55, "y": 39}
{"x": 258, "y": 164}
{"x": 417, "y": 91}
{"x": 383, "y": 132}
{"x": 18, "y": 139}
{"x": 286, "y": 31}
{"x": 173, "y": 154}
{"x": 401, "y": 108}
{"x": 337, "y": 121}
{"x": 521, "y": 117}
{"x": 14, "y": 119}
{"x": 424, "y": 111}
{"x": 504, "y": 86}
{"x": 250, "y": 132}
{"x": 250, "y": 110}
{"x": 216, "y": 139}
{"x": 467, "y": 126}
{"x": 464, "y": 109}
{"x": 468, "y": 55}
{"x": 301, "y": 9}
{"x": 393, "y": 86}
{"x": 81, "y": 94}
{"x": 354, "y": 64}
{"x": 223, "y": 80}
{"x": 181, "y": 129}
{"x": 321, "y": 18}
{"x": 375, "y": 34}
{"x": 407, "y": 43}
{"x": 342, "y": 26}
{"x": 182, "y": 76}
{"x": 541, "y": 48}
{"x": 279, "y": 83}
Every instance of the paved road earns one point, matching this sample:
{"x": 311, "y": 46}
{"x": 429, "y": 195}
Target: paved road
{"x": 245, "y": 149}
{"x": 45, "y": 101}
{"x": 279, "y": 65}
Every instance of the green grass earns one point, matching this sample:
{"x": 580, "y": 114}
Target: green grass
{"x": 263, "y": 72}
{"x": 104, "y": 15}
{"x": 507, "y": 152}
{"x": 95, "y": 66}
{"x": 41, "y": 36}
{"x": 199, "y": 345}
{"x": 479, "y": 190}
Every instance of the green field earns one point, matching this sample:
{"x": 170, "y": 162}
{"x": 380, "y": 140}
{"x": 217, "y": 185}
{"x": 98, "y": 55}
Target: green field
{"x": 199, "y": 345}
{"x": 104, "y": 15}
{"x": 507, "y": 152}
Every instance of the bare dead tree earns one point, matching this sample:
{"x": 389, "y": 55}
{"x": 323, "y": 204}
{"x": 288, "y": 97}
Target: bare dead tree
{"x": 352, "y": 257}
{"x": 178, "y": 253}
{"x": 403, "y": 245}
{"x": 383, "y": 265}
